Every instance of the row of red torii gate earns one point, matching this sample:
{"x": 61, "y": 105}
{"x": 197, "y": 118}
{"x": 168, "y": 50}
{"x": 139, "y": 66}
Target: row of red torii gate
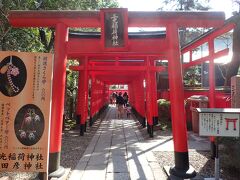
{"x": 115, "y": 56}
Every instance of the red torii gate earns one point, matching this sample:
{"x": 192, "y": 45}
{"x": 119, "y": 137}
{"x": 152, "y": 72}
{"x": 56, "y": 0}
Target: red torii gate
{"x": 209, "y": 39}
{"x": 125, "y": 72}
{"x": 148, "y": 49}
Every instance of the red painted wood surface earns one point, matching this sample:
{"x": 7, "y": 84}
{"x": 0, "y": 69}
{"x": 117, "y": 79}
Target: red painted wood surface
{"x": 58, "y": 87}
{"x": 177, "y": 91}
{"x": 135, "y": 18}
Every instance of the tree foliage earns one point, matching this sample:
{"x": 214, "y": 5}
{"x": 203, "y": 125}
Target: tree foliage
{"x": 71, "y": 89}
{"x": 185, "y": 5}
{"x": 233, "y": 66}
{"x": 192, "y": 76}
{"x": 38, "y": 39}
{"x": 187, "y": 34}
{"x": 42, "y": 39}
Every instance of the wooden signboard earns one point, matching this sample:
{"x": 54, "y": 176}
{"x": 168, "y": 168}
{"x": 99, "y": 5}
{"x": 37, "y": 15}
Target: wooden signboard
{"x": 25, "y": 96}
{"x": 114, "y": 29}
{"x": 219, "y": 122}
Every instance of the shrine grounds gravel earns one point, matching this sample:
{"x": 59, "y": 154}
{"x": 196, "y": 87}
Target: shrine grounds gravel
{"x": 200, "y": 160}
{"x": 73, "y": 145}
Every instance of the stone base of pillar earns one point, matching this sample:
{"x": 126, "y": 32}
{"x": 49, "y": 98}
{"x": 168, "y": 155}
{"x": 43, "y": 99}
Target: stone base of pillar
{"x": 85, "y": 127}
{"x": 148, "y": 128}
{"x": 185, "y": 174}
{"x": 82, "y": 127}
{"x": 155, "y": 120}
{"x": 55, "y": 170}
{"x": 182, "y": 168}
{"x": 172, "y": 177}
{"x": 144, "y": 122}
{"x": 58, "y": 173}
{"x": 78, "y": 118}
{"x": 90, "y": 121}
{"x": 151, "y": 131}
{"x": 63, "y": 125}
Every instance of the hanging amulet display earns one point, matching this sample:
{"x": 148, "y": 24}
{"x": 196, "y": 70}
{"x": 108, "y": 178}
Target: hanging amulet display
{"x": 12, "y": 71}
{"x": 28, "y": 129}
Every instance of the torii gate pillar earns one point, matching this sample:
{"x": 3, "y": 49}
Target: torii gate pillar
{"x": 58, "y": 91}
{"x": 149, "y": 112}
{"x": 154, "y": 98}
{"x": 82, "y": 104}
{"x": 181, "y": 168}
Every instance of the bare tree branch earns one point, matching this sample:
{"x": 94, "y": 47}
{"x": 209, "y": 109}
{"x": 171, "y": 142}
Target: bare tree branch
{"x": 5, "y": 32}
{"x": 4, "y": 15}
{"x": 50, "y": 45}
{"x": 43, "y": 38}
{"x": 235, "y": 63}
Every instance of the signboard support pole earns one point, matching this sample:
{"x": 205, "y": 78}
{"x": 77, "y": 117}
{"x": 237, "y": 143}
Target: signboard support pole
{"x": 213, "y": 148}
{"x": 217, "y": 175}
{"x": 216, "y": 166}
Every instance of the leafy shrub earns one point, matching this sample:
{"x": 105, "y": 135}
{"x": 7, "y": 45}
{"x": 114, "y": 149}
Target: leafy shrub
{"x": 164, "y": 113}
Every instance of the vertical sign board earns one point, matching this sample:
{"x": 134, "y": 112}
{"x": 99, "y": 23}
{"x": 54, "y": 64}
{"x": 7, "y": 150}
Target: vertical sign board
{"x": 114, "y": 29}
{"x": 235, "y": 92}
{"x": 25, "y": 95}
{"x": 219, "y": 122}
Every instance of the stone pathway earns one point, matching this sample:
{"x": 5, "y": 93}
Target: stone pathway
{"x": 115, "y": 153}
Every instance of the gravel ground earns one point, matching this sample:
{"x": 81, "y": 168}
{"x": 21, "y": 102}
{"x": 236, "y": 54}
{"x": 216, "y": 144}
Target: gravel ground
{"x": 200, "y": 160}
{"x": 73, "y": 145}
{"x": 19, "y": 176}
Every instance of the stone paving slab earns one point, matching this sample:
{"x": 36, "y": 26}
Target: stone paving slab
{"x": 78, "y": 171}
{"x": 117, "y": 176}
{"x": 118, "y": 152}
{"x": 117, "y": 164}
{"x": 94, "y": 172}
{"x": 98, "y": 159}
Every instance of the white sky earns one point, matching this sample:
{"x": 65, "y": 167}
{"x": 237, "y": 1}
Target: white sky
{"x": 152, "y": 5}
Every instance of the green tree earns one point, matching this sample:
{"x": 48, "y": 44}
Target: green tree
{"x": 38, "y": 39}
{"x": 187, "y": 34}
{"x": 186, "y": 5}
{"x": 42, "y": 39}
{"x": 192, "y": 76}
{"x": 233, "y": 66}
{"x": 71, "y": 89}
